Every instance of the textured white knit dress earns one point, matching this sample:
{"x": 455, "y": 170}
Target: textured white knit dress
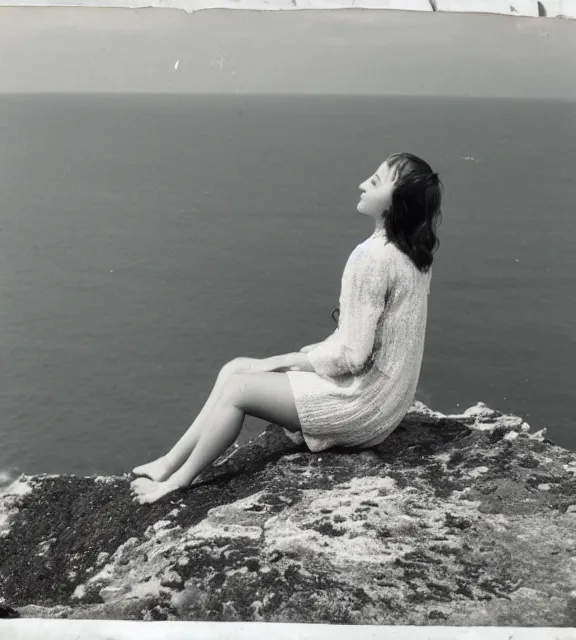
{"x": 366, "y": 373}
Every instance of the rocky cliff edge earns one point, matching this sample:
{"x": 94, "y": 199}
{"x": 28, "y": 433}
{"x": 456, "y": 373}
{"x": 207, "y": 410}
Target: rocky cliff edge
{"x": 463, "y": 519}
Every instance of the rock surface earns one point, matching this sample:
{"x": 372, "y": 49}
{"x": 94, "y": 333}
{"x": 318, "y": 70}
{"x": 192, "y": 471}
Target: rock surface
{"x": 454, "y": 520}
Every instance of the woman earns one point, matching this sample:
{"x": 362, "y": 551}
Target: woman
{"x": 354, "y": 388}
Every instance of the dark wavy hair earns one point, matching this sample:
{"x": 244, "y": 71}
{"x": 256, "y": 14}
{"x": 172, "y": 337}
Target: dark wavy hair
{"x": 413, "y": 216}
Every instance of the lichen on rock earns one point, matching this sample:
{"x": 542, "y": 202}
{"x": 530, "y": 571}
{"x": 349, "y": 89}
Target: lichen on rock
{"x": 467, "y": 519}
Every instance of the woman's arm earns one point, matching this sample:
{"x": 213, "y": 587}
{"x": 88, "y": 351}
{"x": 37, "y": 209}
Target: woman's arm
{"x": 297, "y": 360}
{"x": 363, "y": 302}
{"x": 333, "y": 336}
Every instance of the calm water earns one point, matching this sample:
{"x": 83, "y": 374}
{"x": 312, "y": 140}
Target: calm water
{"x": 146, "y": 240}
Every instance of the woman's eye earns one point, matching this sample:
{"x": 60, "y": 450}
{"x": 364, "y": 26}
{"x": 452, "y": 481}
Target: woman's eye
{"x": 373, "y": 181}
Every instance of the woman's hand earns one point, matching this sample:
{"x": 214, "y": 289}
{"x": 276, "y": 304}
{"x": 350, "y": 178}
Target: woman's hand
{"x": 309, "y": 347}
{"x": 273, "y": 363}
{"x": 297, "y": 361}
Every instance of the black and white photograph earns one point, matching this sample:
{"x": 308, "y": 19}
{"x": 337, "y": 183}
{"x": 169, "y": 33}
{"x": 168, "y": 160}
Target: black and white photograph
{"x": 287, "y": 319}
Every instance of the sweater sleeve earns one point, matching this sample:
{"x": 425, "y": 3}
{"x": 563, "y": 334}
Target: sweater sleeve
{"x": 362, "y": 304}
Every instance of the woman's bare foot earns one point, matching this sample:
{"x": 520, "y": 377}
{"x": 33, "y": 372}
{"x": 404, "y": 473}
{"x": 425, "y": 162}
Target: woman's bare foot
{"x": 148, "y": 491}
{"x": 158, "y": 470}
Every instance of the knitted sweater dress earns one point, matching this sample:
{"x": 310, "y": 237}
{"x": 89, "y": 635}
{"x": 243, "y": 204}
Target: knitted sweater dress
{"x": 365, "y": 374}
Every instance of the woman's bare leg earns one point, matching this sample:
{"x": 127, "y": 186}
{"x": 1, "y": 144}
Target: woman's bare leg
{"x": 163, "y": 467}
{"x": 264, "y": 395}
{"x": 167, "y": 464}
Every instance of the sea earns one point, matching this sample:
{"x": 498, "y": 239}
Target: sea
{"x": 146, "y": 240}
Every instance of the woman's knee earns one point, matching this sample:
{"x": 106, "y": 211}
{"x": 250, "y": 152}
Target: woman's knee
{"x": 237, "y": 365}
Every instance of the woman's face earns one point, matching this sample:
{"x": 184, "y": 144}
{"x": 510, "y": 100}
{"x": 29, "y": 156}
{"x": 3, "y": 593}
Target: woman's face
{"x": 377, "y": 192}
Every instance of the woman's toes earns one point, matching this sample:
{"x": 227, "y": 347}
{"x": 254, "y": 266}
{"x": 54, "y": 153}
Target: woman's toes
{"x": 141, "y": 485}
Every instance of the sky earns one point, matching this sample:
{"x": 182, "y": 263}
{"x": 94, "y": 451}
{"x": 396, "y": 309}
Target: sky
{"x": 344, "y": 52}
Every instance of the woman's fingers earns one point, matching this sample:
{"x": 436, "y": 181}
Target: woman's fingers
{"x": 274, "y": 363}
{"x": 267, "y": 364}
{"x": 309, "y": 347}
